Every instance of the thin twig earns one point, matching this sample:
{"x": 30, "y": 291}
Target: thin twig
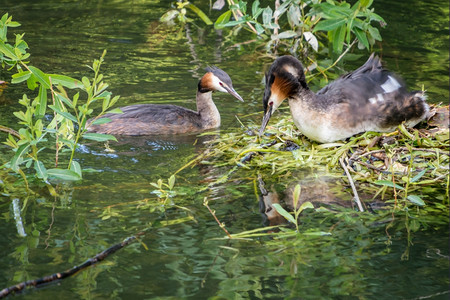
{"x": 352, "y": 184}
{"x": 10, "y": 131}
{"x": 57, "y": 276}
{"x": 238, "y": 14}
{"x": 205, "y": 203}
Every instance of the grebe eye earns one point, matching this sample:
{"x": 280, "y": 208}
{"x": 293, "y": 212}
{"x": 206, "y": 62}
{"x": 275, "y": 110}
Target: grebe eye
{"x": 220, "y": 82}
{"x": 271, "y": 103}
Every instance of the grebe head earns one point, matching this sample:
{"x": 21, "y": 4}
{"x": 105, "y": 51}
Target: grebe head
{"x": 283, "y": 80}
{"x": 217, "y": 80}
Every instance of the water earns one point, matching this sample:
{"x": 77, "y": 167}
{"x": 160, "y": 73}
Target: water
{"x": 147, "y": 63}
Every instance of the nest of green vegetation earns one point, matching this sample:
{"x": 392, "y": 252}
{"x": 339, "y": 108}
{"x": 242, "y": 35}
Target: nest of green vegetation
{"x": 407, "y": 167}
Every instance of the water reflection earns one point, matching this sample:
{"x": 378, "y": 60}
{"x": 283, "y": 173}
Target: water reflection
{"x": 322, "y": 191}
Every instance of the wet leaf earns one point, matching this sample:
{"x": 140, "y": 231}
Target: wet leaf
{"x": 286, "y": 34}
{"x": 305, "y": 205}
{"x": 222, "y": 20}
{"x": 75, "y": 166}
{"x": 66, "y": 81}
{"x": 41, "y": 171}
{"x": 16, "y": 160}
{"x": 40, "y": 76}
{"x": 20, "y": 77}
{"x": 361, "y": 36}
{"x": 296, "y": 195}
{"x": 283, "y": 212}
{"x": 171, "y": 182}
{"x": 419, "y": 175}
{"x": 41, "y": 107}
{"x": 312, "y": 40}
{"x": 330, "y": 24}
{"x": 99, "y": 137}
{"x": 416, "y": 200}
{"x": 199, "y": 13}
{"x": 267, "y": 15}
{"x": 101, "y": 121}
{"x": 63, "y": 174}
{"x": 388, "y": 183}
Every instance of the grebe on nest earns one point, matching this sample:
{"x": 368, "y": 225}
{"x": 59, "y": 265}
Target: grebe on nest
{"x": 368, "y": 99}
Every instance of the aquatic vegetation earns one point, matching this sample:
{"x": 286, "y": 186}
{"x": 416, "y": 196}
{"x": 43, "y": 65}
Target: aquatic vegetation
{"x": 406, "y": 170}
{"x": 67, "y": 124}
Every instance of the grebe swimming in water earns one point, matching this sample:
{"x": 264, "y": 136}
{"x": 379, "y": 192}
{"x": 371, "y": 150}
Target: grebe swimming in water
{"x": 156, "y": 119}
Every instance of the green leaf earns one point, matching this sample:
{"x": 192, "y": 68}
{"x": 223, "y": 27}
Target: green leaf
{"x": 41, "y": 107}
{"x": 64, "y": 100}
{"x": 283, "y": 212}
{"x": 304, "y": 206}
{"x": 66, "y": 81}
{"x": 8, "y": 50}
{"x": 41, "y": 171}
{"x": 418, "y": 176}
{"x": 21, "y": 151}
{"x": 338, "y": 40}
{"x": 40, "y": 76}
{"x": 199, "y": 13}
{"x": 63, "y": 174}
{"x": 376, "y": 17}
{"x": 361, "y": 36}
{"x": 366, "y": 3}
{"x": 294, "y": 16}
{"x": 296, "y": 195}
{"x": 171, "y": 182}
{"x": 86, "y": 82}
{"x": 65, "y": 114}
{"x": 101, "y": 121}
{"x": 416, "y": 200}
{"x": 375, "y": 33}
{"x": 287, "y": 34}
{"x": 169, "y": 16}
{"x": 99, "y": 137}
{"x": 267, "y": 15}
{"x": 222, "y": 20}
{"x": 388, "y": 183}
{"x": 20, "y": 77}
{"x": 255, "y": 8}
{"x": 13, "y": 24}
{"x": 328, "y": 25}
{"x": 32, "y": 82}
{"x": 259, "y": 28}
{"x": 234, "y": 23}
{"x": 115, "y": 111}
{"x": 75, "y": 166}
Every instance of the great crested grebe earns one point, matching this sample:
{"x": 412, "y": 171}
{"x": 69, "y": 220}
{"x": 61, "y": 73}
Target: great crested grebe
{"x": 368, "y": 99}
{"x": 156, "y": 119}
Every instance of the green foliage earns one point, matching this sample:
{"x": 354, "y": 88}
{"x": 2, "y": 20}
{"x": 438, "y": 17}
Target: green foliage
{"x": 69, "y": 113}
{"x": 296, "y": 24}
{"x": 179, "y": 14}
{"x": 164, "y": 190}
{"x": 297, "y": 209}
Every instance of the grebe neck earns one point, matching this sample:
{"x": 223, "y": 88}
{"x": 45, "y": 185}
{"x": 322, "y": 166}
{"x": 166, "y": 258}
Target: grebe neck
{"x": 207, "y": 110}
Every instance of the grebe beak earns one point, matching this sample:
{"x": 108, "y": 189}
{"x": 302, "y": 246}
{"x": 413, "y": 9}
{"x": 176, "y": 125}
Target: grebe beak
{"x": 266, "y": 119}
{"x": 232, "y": 92}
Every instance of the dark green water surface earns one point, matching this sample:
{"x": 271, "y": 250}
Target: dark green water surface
{"x": 146, "y": 63}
